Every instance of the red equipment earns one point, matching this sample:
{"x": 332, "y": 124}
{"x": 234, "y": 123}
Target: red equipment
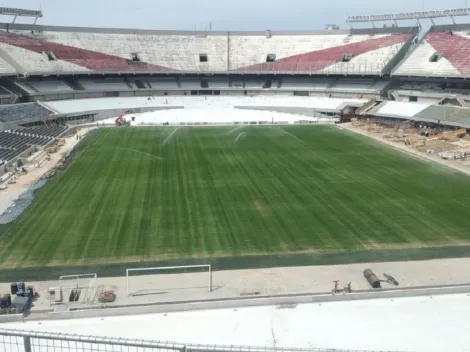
{"x": 120, "y": 121}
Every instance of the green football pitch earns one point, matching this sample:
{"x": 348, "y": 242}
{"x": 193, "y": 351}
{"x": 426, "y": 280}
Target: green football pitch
{"x": 147, "y": 194}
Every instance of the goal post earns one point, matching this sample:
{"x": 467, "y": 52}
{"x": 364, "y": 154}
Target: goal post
{"x": 167, "y": 270}
{"x": 82, "y": 287}
{"x": 78, "y": 279}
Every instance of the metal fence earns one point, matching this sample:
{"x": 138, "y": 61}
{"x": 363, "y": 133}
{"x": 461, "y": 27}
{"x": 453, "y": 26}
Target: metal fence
{"x": 30, "y": 341}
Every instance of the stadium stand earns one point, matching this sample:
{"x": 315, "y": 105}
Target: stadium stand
{"x": 218, "y": 83}
{"x": 445, "y": 113}
{"x": 16, "y": 112}
{"x": 49, "y": 131}
{"x": 42, "y": 50}
{"x": 255, "y": 84}
{"x": 336, "y": 54}
{"x": 162, "y": 83}
{"x": 401, "y": 109}
{"x": 6, "y": 69}
{"x": 104, "y": 84}
{"x": 443, "y": 52}
{"x": 196, "y": 83}
{"x": 6, "y": 96}
{"x": 190, "y": 83}
{"x": 38, "y": 55}
{"x": 452, "y": 92}
{"x": 54, "y": 86}
{"x": 4, "y": 91}
{"x": 15, "y": 142}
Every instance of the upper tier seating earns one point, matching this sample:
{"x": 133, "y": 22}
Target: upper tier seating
{"x": 333, "y": 54}
{"x": 16, "y": 112}
{"x": 439, "y": 54}
{"x": 328, "y": 52}
{"x": 81, "y": 59}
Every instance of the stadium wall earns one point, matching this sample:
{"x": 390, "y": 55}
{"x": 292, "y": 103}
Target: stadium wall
{"x": 310, "y": 112}
{"x": 349, "y": 87}
{"x": 240, "y": 302}
{"x": 169, "y": 92}
{"x": 98, "y": 115}
{"x": 105, "y": 114}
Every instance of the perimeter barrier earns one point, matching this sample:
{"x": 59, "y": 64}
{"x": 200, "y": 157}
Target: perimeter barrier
{"x": 33, "y": 341}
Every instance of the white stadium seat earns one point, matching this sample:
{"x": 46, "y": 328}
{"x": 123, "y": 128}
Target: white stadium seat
{"x": 336, "y": 52}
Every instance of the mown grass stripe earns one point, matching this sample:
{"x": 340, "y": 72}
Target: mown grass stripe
{"x": 207, "y": 196}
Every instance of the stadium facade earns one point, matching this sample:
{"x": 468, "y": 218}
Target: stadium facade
{"x": 43, "y": 63}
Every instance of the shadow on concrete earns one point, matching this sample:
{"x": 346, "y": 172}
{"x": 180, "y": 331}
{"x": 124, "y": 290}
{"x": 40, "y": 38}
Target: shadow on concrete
{"x": 239, "y": 262}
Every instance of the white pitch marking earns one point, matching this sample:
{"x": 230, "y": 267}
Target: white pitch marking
{"x": 171, "y": 134}
{"x": 138, "y": 151}
{"x": 290, "y": 134}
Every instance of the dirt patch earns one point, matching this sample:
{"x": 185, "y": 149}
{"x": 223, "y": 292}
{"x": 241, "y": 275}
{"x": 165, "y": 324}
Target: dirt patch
{"x": 411, "y": 150}
{"x": 24, "y": 181}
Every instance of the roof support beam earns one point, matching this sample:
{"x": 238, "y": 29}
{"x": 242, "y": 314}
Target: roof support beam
{"x": 410, "y": 16}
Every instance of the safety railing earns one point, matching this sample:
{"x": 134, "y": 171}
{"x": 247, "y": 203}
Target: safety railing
{"x": 31, "y": 341}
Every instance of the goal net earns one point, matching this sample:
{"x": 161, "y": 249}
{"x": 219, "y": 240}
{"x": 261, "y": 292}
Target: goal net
{"x": 144, "y": 281}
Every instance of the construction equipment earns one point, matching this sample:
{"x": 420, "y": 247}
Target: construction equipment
{"x": 121, "y": 121}
{"x": 31, "y": 292}
{"x": 415, "y": 142}
{"x": 449, "y": 136}
{"x": 22, "y": 304}
{"x": 21, "y": 171}
{"x": 390, "y": 279}
{"x": 372, "y": 278}
{"x": 345, "y": 289}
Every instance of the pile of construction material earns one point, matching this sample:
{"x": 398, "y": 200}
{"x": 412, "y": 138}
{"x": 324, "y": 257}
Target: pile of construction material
{"x": 375, "y": 281}
{"x": 337, "y": 289}
{"x": 374, "y": 128}
{"x": 356, "y": 122}
{"x": 453, "y": 135}
{"x": 50, "y": 173}
{"x": 107, "y": 296}
{"x": 454, "y": 154}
